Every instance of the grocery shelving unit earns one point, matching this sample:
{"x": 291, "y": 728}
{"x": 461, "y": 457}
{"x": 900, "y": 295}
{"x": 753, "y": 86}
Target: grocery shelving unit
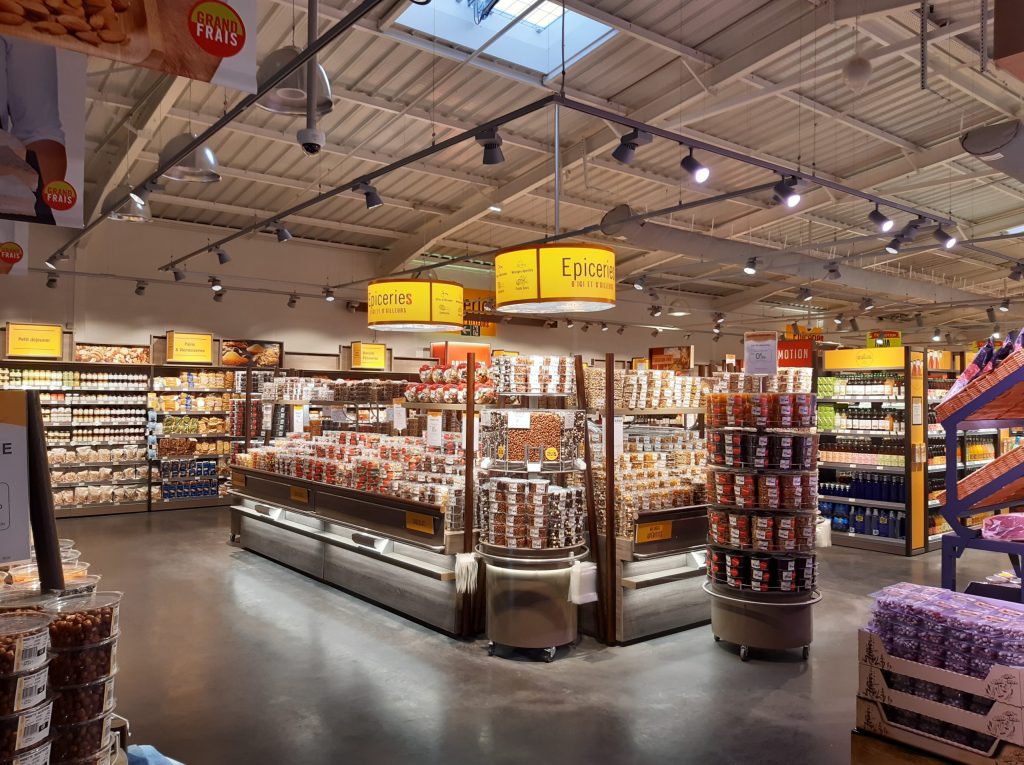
{"x": 889, "y": 388}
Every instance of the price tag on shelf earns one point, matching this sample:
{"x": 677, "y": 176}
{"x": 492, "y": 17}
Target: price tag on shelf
{"x": 398, "y": 417}
{"x": 435, "y": 436}
{"x": 299, "y": 494}
{"x": 653, "y": 532}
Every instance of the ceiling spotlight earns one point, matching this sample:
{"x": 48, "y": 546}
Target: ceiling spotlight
{"x": 716, "y": 338}
{"x": 222, "y": 256}
{"x": 879, "y": 341}
{"x": 628, "y": 144}
{"x": 949, "y": 338}
{"x": 373, "y": 199}
{"x": 1017, "y": 272}
{"x": 936, "y": 335}
{"x": 785, "y": 192}
{"x": 198, "y": 166}
{"x": 215, "y": 284}
{"x": 696, "y": 170}
{"x": 570, "y": 324}
{"x": 854, "y": 325}
{"x": 944, "y": 239}
{"x": 218, "y": 297}
{"x": 289, "y": 95}
{"x": 751, "y": 268}
{"x": 179, "y": 275}
{"x": 585, "y": 328}
{"x": 134, "y": 209}
{"x": 328, "y": 294}
{"x": 293, "y": 300}
{"x": 990, "y": 312}
{"x": 283, "y": 234}
{"x": 655, "y": 310}
{"x": 1005, "y": 305}
{"x": 717, "y": 330}
{"x": 639, "y": 283}
{"x": 351, "y": 307}
{"x": 140, "y": 288}
{"x": 656, "y": 332}
{"x": 995, "y": 332}
{"x": 805, "y": 295}
{"x": 893, "y": 248}
{"x": 881, "y": 220}
{"x": 910, "y": 230}
{"x": 838, "y": 320}
{"x": 491, "y": 142}
{"x": 919, "y": 319}
{"x": 51, "y": 262}
{"x": 866, "y": 304}
{"x": 51, "y": 281}
{"x": 719, "y": 318}
{"x": 676, "y": 310}
{"x": 832, "y": 272}
{"x": 620, "y": 330}
{"x": 494, "y": 208}
{"x": 604, "y": 327}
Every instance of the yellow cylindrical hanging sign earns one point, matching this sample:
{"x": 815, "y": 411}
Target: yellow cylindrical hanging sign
{"x": 412, "y": 305}
{"x": 555, "y": 278}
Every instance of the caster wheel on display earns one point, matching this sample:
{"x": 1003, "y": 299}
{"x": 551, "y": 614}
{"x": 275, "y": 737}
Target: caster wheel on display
{"x": 744, "y": 653}
{"x": 807, "y": 652}
{"x": 549, "y": 655}
{"x": 490, "y": 649}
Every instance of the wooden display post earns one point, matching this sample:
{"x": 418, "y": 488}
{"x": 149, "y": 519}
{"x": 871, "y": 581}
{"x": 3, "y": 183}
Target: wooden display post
{"x": 469, "y": 600}
{"x": 611, "y": 564}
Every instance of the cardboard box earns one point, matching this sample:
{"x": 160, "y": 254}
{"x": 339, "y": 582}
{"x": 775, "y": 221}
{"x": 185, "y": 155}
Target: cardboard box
{"x": 1002, "y": 683}
{"x": 871, "y": 719}
{"x": 1002, "y": 721}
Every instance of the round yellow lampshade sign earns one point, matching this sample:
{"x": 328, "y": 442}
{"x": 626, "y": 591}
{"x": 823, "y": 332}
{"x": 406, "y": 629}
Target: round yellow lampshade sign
{"x": 555, "y": 278}
{"x": 413, "y": 305}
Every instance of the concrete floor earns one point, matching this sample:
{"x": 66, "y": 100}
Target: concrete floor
{"x": 229, "y": 658}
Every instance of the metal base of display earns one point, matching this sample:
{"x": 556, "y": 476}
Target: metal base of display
{"x": 954, "y": 545}
{"x": 778, "y": 622}
{"x": 527, "y": 597}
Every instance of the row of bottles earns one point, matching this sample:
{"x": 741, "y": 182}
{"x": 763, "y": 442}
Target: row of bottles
{"x": 863, "y": 451}
{"x": 868, "y": 521}
{"x": 55, "y": 378}
{"x": 867, "y": 487}
{"x": 858, "y": 418}
{"x": 980, "y": 448}
{"x": 889, "y": 384}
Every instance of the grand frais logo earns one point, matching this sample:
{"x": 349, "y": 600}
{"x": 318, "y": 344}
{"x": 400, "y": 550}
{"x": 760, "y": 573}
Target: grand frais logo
{"x": 217, "y": 28}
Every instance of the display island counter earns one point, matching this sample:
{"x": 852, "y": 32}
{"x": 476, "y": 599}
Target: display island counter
{"x": 399, "y": 553}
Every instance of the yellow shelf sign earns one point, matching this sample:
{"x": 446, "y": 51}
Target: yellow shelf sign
{"x": 35, "y": 341}
{"x": 419, "y": 522}
{"x": 653, "y": 532}
{"x": 298, "y": 494}
{"x": 189, "y": 348}
{"x": 369, "y": 355}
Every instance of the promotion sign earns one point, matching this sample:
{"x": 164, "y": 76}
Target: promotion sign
{"x": 678, "y": 358}
{"x": 796, "y": 353}
{"x": 42, "y": 124}
{"x": 189, "y": 348}
{"x": 14, "y": 486}
{"x": 34, "y": 341}
{"x": 210, "y": 40}
{"x": 13, "y": 248}
{"x": 760, "y": 353}
{"x": 369, "y": 355}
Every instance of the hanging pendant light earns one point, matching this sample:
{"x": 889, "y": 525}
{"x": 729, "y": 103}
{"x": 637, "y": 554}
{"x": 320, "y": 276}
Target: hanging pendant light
{"x": 289, "y": 95}
{"x": 562, "y": 277}
{"x": 414, "y": 305}
{"x": 200, "y": 166}
{"x": 130, "y": 210}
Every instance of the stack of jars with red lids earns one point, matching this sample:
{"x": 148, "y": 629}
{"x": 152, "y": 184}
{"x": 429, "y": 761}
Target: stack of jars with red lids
{"x": 83, "y": 632}
{"x": 25, "y": 705}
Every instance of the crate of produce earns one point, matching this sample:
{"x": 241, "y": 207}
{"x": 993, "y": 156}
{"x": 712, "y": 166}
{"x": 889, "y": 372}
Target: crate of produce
{"x": 1002, "y": 684}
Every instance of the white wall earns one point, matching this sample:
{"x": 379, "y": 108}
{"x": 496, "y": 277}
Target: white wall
{"x": 108, "y": 311}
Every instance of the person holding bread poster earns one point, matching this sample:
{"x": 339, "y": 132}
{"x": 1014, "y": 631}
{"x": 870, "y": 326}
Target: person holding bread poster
{"x": 42, "y": 141}
{"x": 209, "y": 40}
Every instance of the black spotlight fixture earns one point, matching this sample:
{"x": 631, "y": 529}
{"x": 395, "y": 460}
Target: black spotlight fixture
{"x": 629, "y": 143}
{"x": 838, "y": 320}
{"x": 51, "y": 281}
{"x": 491, "y": 141}
{"x": 585, "y": 328}
{"x": 716, "y": 329}
{"x": 936, "y": 335}
{"x": 218, "y": 297}
{"x": 946, "y": 240}
{"x": 215, "y": 284}
{"x": 785, "y": 192}
{"x": 639, "y": 283}
{"x": 620, "y": 330}
{"x": 51, "y": 262}
{"x": 351, "y": 307}
{"x": 949, "y": 338}
{"x": 179, "y": 275}
{"x": 293, "y": 300}
{"x": 866, "y": 304}
{"x": 805, "y": 295}
{"x": 282, "y": 233}
{"x": 570, "y": 324}
{"x": 751, "y": 267}
{"x": 222, "y": 256}
{"x": 695, "y": 169}
{"x": 140, "y": 288}
{"x": 919, "y": 319}
{"x": 1005, "y": 305}
{"x": 832, "y": 272}
{"x": 716, "y": 338}
{"x": 656, "y": 332}
{"x": 719, "y": 318}
{"x": 995, "y": 332}
{"x": 854, "y": 325}
{"x": 893, "y": 248}
{"x": 909, "y": 231}
{"x": 328, "y": 294}
{"x": 604, "y": 327}
{"x": 882, "y": 221}
{"x": 990, "y": 312}
{"x": 1017, "y": 272}
{"x": 373, "y": 199}
{"x": 655, "y": 310}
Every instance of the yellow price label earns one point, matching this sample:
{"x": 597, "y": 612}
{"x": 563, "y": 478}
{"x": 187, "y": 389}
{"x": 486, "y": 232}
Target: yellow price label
{"x": 419, "y": 522}
{"x": 237, "y": 478}
{"x": 299, "y": 494}
{"x": 653, "y": 532}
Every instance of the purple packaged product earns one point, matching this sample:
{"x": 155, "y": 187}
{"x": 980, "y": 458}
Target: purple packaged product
{"x": 972, "y": 370}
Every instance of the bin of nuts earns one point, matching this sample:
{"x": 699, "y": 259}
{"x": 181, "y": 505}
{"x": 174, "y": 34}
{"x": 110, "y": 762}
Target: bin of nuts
{"x": 24, "y": 641}
{"x": 23, "y": 690}
{"x": 78, "y": 666}
{"x": 21, "y": 731}
{"x": 82, "y": 620}
{"x": 81, "y": 740}
{"x": 83, "y": 702}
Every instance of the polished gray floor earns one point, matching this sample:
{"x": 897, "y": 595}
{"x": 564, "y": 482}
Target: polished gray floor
{"x": 229, "y": 658}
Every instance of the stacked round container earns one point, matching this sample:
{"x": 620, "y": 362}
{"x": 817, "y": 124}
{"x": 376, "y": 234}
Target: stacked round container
{"x": 25, "y": 706}
{"x": 83, "y": 636}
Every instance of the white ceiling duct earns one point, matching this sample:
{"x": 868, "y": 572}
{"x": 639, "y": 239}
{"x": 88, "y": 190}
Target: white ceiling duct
{"x": 289, "y": 95}
{"x": 654, "y": 236}
{"x": 999, "y": 146}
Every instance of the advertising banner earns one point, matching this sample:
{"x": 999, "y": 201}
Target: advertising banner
{"x": 13, "y": 248}
{"x": 14, "y": 488}
{"x": 477, "y": 302}
{"x": 885, "y": 338}
{"x": 677, "y": 358}
{"x": 211, "y": 40}
{"x": 760, "y": 353}
{"x": 42, "y": 132}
